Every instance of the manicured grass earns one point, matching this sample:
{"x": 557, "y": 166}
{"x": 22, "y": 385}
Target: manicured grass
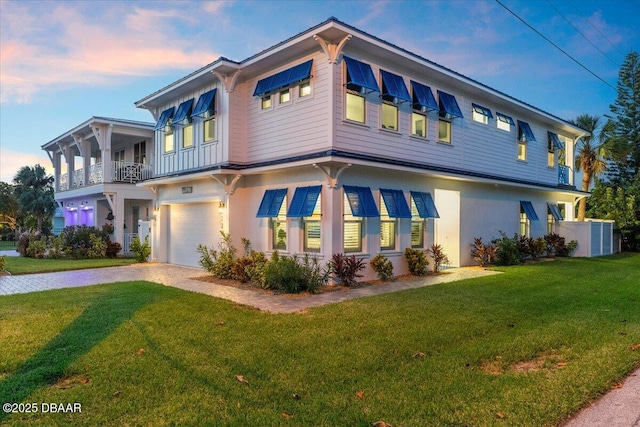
{"x": 143, "y": 354}
{"x": 22, "y": 265}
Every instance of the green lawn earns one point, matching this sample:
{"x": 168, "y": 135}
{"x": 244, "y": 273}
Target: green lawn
{"x": 143, "y": 354}
{"x": 22, "y": 265}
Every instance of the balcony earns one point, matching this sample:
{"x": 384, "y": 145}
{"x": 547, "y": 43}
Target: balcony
{"x": 120, "y": 172}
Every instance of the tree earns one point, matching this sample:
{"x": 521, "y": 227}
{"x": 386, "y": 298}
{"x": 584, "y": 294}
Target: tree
{"x": 590, "y": 158}
{"x": 8, "y": 209}
{"x": 35, "y": 193}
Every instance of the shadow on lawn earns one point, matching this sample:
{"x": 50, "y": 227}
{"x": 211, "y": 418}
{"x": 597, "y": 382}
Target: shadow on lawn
{"x": 109, "y": 310}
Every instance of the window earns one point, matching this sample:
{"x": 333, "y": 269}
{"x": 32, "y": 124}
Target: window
{"x": 168, "y": 141}
{"x": 164, "y": 118}
{"x": 444, "y": 131}
{"x": 387, "y": 229}
{"x": 183, "y": 113}
{"x": 285, "y": 96}
{"x": 389, "y": 116}
{"x": 417, "y": 227}
{"x": 352, "y": 228}
{"x": 278, "y": 226}
{"x": 504, "y": 122}
{"x": 551, "y": 154}
{"x": 553, "y": 144}
{"x": 140, "y": 152}
{"x": 423, "y": 99}
{"x": 209, "y": 129}
{"x": 448, "y": 106}
{"x": 481, "y": 114}
{"x": 360, "y": 76}
{"x": 553, "y": 214}
{"x": 118, "y": 156}
{"x": 305, "y": 89}
{"x": 355, "y": 108}
{"x": 419, "y": 125}
{"x": 522, "y": 151}
{"x": 265, "y": 102}
{"x": 306, "y": 204}
{"x": 205, "y": 107}
{"x": 527, "y": 214}
{"x": 187, "y": 136}
{"x": 284, "y": 79}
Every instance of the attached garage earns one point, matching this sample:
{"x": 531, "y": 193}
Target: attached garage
{"x": 189, "y": 225}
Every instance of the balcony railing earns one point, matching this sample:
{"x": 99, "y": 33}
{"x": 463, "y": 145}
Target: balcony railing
{"x": 564, "y": 175}
{"x": 120, "y": 172}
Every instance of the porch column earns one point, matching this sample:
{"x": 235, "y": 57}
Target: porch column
{"x": 71, "y": 160}
{"x": 331, "y": 221}
{"x": 86, "y": 160}
{"x": 102, "y": 133}
{"x": 56, "y": 170}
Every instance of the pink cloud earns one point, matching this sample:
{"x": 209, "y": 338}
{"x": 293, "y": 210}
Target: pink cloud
{"x": 70, "y": 47}
{"x": 11, "y": 161}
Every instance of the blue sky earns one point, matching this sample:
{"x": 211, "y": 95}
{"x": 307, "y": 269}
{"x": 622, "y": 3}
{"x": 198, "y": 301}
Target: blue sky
{"x": 63, "y": 62}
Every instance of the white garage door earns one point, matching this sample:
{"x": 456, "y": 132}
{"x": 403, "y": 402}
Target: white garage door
{"x": 189, "y": 226}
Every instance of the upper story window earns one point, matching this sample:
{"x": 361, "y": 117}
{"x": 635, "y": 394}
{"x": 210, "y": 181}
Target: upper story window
{"x": 140, "y": 152}
{"x": 423, "y": 101}
{"x": 304, "y": 89}
{"x": 504, "y": 122}
{"x": 525, "y": 135}
{"x": 118, "y": 156}
{"x": 359, "y": 81}
{"x": 394, "y": 92}
{"x": 444, "y": 131}
{"x": 183, "y": 117}
{"x": 448, "y": 106}
{"x": 168, "y": 141}
{"x": 553, "y": 144}
{"x": 281, "y": 82}
{"x": 418, "y": 125}
{"x": 187, "y": 136}
{"x": 165, "y": 119}
{"x": 355, "y": 107}
{"x": 481, "y": 114}
{"x": 389, "y": 119}
{"x": 205, "y": 109}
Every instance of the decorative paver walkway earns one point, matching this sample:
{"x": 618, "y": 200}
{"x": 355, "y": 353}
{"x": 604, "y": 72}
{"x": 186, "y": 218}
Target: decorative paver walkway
{"x": 179, "y": 277}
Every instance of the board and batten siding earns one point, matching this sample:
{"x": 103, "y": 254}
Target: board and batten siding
{"x": 297, "y": 127}
{"x": 474, "y": 147}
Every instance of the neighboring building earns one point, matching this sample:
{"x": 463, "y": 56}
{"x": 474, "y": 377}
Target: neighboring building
{"x": 336, "y": 141}
{"x": 95, "y": 185}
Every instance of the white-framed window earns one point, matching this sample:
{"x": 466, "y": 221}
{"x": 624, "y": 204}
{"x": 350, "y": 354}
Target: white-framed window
{"x": 502, "y": 125}
{"x": 285, "y": 96}
{"x": 389, "y": 116}
{"x": 444, "y": 131}
{"x": 525, "y": 224}
{"x": 551, "y": 154}
{"x": 480, "y": 118}
{"x": 355, "y": 110}
{"x": 140, "y": 152}
{"x": 311, "y": 228}
{"x": 387, "y": 228}
{"x": 550, "y": 222}
{"x": 187, "y": 136}
{"x": 418, "y": 125}
{"x": 417, "y": 227}
{"x": 265, "y": 102}
{"x": 522, "y": 151}
{"x": 209, "y": 127}
{"x": 278, "y": 226}
{"x": 304, "y": 89}
{"x": 168, "y": 140}
{"x": 118, "y": 156}
{"x": 353, "y": 226}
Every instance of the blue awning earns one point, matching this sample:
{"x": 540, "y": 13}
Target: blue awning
{"x": 396, "y": 203}
{"x": 164, "y": 118}
{"x": 527, "y": 207}
{"x": 361, "y": 201}
{"x": 449, "y": 108}
{"x": 524, "y": 132}
{"x": 360, "y": 75}
{"x": 284, "y": 78}
{"x": 482, "y": 110}
{"x": 184, "y": 111}
{"x": 505, "y": 118}
{"x": 271, "y": 203}
{"x": 393, "y": 87}
{"x": 205, "y": 104}
{"x": 304, "y": 201}
{"x": 423, "y": 98}
{"x": 425, "y": 205}
{"x": 557, "y": 144}
{"x": 555, "y": 212}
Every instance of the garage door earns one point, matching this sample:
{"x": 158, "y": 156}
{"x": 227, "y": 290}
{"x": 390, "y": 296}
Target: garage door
{"x": 191, "y": 225}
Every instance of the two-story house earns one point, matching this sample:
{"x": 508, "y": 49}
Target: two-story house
{"x": 96, "y": 167}
{"x": 337, "y": 141}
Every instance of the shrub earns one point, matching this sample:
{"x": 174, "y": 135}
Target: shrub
{"x": 556, "y": 245}
{"x": 219, "y": 263}
{"x": 78, "y": 240}
{"x": 98, "y": 247}
{"x": 417, "y": 261}
{"x": 568, "y": 249}
{"x": 313, "y": 274}
{"x": 113, "y": 249}
{"x": 255, "y": 269}
{"x": 438, "y": 256}
{"x": 37, "y": 246}
{"x": 483, "y": 253}
{"x": 292, "y": 275}
{"x": 382, "y": 266}
{"x": 346, "y": 268}
{"x": 141, "y": 250}
{"x": 508, "y": 250}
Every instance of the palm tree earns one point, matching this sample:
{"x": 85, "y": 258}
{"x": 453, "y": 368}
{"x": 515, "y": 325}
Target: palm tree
{"x": 34, "y": 190}
{"x": 591, "y": 152}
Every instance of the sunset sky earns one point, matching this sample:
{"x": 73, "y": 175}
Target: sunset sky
{"x": 63, "y": 62}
